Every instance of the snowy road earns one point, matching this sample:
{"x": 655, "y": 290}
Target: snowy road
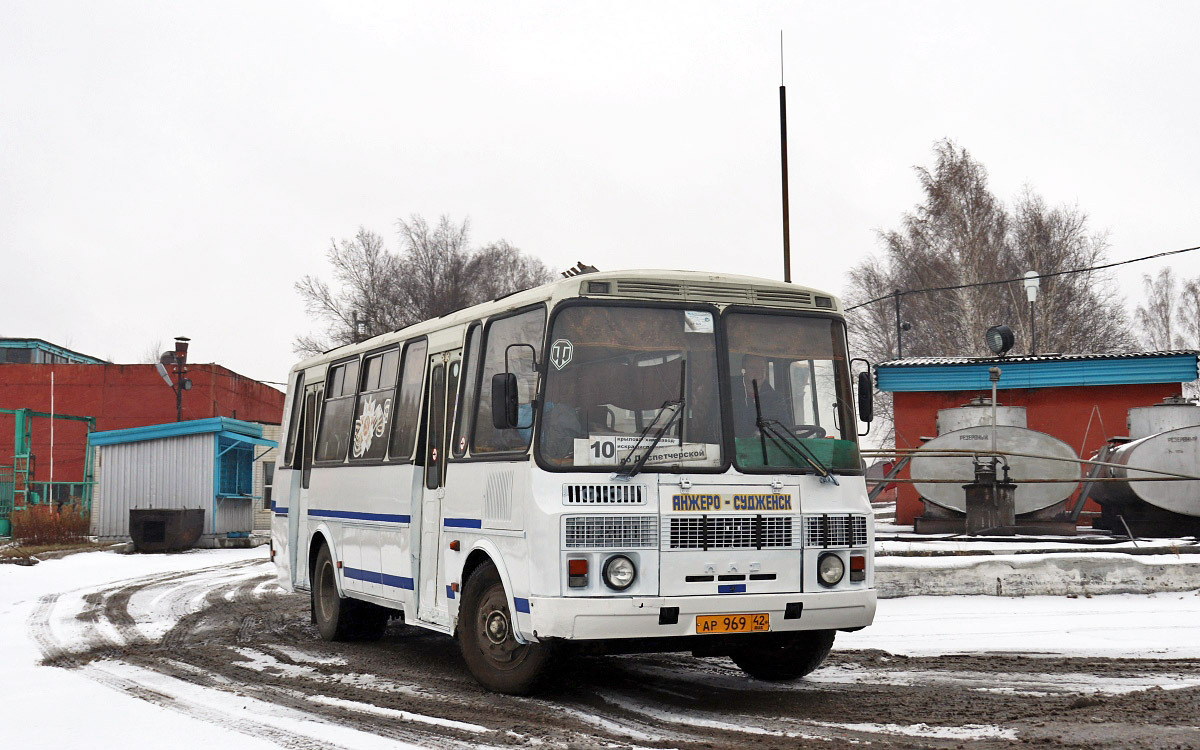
{"x": 204, "y": 648}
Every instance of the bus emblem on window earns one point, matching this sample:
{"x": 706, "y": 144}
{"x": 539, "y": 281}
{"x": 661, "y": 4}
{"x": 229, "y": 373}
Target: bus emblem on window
{"x": 561, "y": 352}
{"x": 372, "y": 423}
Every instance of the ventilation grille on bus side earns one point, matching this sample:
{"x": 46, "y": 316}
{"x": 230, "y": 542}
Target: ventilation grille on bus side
{"x": 730, "y": 532}
{"x": 835, "y": 531}
{"x": 497, "y": 496}
{"x": 609, "y": 532}
{"x": 603, "y": 494}
{"x": 718, "y": 293}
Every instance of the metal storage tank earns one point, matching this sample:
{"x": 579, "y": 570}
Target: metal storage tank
{"x": 1176, "y": 451}
{"x": 1172, "y": 413}
{"x": 201, "y": 464}
{"x": 961, "y": 469}
{"x": 978, "y": 412}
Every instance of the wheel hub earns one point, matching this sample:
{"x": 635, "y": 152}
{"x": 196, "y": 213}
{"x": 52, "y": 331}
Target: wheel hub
{"x": 496, "y": 627}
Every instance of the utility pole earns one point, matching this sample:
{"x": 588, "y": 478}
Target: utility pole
{"x": 181, "y": 383}
{"x": 787, "y": 231}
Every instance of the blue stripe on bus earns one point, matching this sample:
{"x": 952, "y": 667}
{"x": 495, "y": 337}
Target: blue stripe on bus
{"x": 462, "y": 523}
{"x": 371, "y": 576}
{"x": 449, "y": 592}
{"x": 279, "y": 511}
{"x": 355, "y": 516}
{"x": 733, "y": 588}
{"x": 522, "y": 605}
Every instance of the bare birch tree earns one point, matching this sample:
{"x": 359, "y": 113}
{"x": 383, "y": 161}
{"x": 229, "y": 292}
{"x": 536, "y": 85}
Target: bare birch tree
{"x": 375, "y": 290}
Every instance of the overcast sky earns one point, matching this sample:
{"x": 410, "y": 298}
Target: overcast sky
{"x": 173, "y": 168}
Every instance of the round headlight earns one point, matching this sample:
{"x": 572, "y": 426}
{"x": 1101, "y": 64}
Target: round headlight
{"x": 830, "y": 569}
{"x": 619, "y": 572}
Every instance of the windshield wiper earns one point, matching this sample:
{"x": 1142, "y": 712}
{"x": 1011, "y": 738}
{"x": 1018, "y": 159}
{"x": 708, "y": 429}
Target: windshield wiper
{"x": 779, "y": 434}
{"x": 641, "y": 461}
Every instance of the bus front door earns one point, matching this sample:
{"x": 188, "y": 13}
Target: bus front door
{"x": 439, "y": 402}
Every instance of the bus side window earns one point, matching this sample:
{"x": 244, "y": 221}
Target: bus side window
{"x": 333, "y": 437}
{"x": 523, "y": 328}
{"x": 466, "y": 399}
{"x": 376, "y": 393}
{"x": 407, "y": 406}
{"x": 289, "y": 451}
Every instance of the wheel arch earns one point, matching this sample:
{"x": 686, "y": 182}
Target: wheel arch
{"x": 482, "y": 553}
{"x": 323, "y": 538}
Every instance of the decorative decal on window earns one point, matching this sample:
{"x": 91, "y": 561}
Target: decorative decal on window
{"x": 372, "y": 423}
{"x": 561, "y": 352}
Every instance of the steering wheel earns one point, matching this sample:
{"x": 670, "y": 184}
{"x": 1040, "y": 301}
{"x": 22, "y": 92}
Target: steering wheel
{"x": 804, "y": 431}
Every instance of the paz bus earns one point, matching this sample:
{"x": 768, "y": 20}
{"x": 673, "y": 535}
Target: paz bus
{"x": 617, "y": 462}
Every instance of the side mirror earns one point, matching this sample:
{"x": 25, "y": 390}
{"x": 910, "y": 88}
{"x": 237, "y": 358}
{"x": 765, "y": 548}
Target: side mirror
{"x": 866, "y": 405}
{"x": 504, "y": 401}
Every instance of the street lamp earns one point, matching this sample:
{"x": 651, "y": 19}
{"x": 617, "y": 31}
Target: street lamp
{"x": 1032, "y": 282}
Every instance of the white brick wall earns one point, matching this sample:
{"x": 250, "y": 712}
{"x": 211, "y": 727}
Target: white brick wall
{"x": 262, "y": 516}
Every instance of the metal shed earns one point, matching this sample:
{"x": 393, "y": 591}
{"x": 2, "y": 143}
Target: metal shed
{"x": 203, "y": 463}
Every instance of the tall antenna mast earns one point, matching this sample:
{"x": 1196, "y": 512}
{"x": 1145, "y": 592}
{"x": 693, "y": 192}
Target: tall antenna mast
{"x": 787, "y": 231}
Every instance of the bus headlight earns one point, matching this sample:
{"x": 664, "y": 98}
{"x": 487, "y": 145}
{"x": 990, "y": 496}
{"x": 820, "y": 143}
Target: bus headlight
{"x": 830, "y": 569}
{"x": 619, "y": 572}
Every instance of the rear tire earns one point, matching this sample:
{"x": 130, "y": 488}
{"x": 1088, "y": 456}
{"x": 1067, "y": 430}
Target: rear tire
{"x": 788, "y": 659}
{"x": 340, "y": 618}
{"x": 486, "y": 637}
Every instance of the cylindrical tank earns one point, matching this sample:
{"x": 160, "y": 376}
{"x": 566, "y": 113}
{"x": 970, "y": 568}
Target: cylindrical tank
{"x": 1171, "y": 414}
{"x": 978, "y": 412}
{"x": 1029, "y": 497}
{"x": 1176, "y": 451}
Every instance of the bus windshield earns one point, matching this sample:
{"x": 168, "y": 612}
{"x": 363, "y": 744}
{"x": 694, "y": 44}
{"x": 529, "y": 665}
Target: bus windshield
{"x": 632, "y": 386}
{"x": 800, "y": 367}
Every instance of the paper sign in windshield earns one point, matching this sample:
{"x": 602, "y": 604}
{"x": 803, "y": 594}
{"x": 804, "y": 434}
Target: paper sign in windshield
{"x": 697, "y": 322}
{"x": 610, "y": 450}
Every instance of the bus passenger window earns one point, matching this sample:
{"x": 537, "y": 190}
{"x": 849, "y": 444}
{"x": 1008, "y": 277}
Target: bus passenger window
{"x": 374, "y": 411}
{"x": 294, "y": 421}
{"x": 407, "y": 406}
{"x": 523, "y": 328}
{"x": 334, "y": 436}
{"x": 465, "y": 402}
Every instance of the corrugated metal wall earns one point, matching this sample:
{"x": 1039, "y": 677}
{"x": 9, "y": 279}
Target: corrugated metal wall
{"x": 173, "y": 472}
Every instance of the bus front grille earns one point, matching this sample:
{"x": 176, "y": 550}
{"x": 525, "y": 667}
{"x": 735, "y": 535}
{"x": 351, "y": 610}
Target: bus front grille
{"x": 731, "y": 532}
{"x": 609, "y": 532}
{"x": 835, "y": 531}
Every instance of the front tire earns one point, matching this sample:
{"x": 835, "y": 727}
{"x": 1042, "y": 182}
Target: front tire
{"x": 789, "y": 659}
{"x": 486, "y": 637}
{"x": 340, "y": 618}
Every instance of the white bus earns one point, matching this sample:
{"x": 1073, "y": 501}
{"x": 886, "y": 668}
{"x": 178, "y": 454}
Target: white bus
{"x": 617, "y": 462}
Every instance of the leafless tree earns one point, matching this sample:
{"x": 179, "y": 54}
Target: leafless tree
{"x": 1165, "y": 314}
{"x": 152, "y": 352}
{"x": 961, "y": 235}
{"x": 375, "y": 290}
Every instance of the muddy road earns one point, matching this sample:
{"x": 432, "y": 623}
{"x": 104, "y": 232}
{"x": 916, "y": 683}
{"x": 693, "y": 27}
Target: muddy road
{"x": 226, "y": 645}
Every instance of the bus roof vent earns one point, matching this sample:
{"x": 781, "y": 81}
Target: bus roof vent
{"x": 782, "y": 297}
{"x": 603, "y": 494}
{"x": 654, "y": 289}
{"x": 722, "y": 293}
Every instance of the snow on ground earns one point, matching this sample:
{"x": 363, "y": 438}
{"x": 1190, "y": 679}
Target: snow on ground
{"x": 57, "y": 707}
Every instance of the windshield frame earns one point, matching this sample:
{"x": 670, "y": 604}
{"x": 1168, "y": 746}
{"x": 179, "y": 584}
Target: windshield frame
{"x": 722, "y": 383}
{"x": 728, "y": 429}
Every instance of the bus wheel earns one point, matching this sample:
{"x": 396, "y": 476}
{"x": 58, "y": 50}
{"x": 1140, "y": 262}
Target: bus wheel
{"x": 785, "y": 660}
{"x": 485, "y": 635}
{"x": 339, "y": 618}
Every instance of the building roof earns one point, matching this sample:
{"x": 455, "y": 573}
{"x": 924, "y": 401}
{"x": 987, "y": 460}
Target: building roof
{"x": 247, "y": 432}
{"x": 71, "y": 357}
{"x": 1037, "y": 371}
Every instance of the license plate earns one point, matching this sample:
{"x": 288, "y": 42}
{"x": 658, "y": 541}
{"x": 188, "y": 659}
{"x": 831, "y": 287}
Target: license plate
{"x": 755, "y": 622}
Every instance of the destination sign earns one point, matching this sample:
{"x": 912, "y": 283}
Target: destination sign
{"x": 709, "y": 503}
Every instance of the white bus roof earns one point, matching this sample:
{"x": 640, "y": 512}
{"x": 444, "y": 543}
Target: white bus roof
{"x": 681, "y": 286}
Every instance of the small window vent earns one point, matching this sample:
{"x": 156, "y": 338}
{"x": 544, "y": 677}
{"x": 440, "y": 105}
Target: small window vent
{"x": 603, "y": 494}
{"x": 783, "y": 297}
{"x": 722, "y": 293}
{"x": 610, "y": 532}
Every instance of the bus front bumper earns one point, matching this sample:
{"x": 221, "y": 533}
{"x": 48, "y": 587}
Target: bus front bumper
{"x": 577, "y": 618}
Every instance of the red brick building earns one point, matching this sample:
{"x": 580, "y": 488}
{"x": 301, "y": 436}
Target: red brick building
{"x": 119, "y": 396}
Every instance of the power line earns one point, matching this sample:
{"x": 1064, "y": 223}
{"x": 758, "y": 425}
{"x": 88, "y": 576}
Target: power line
{"x": 894, "y": 294}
